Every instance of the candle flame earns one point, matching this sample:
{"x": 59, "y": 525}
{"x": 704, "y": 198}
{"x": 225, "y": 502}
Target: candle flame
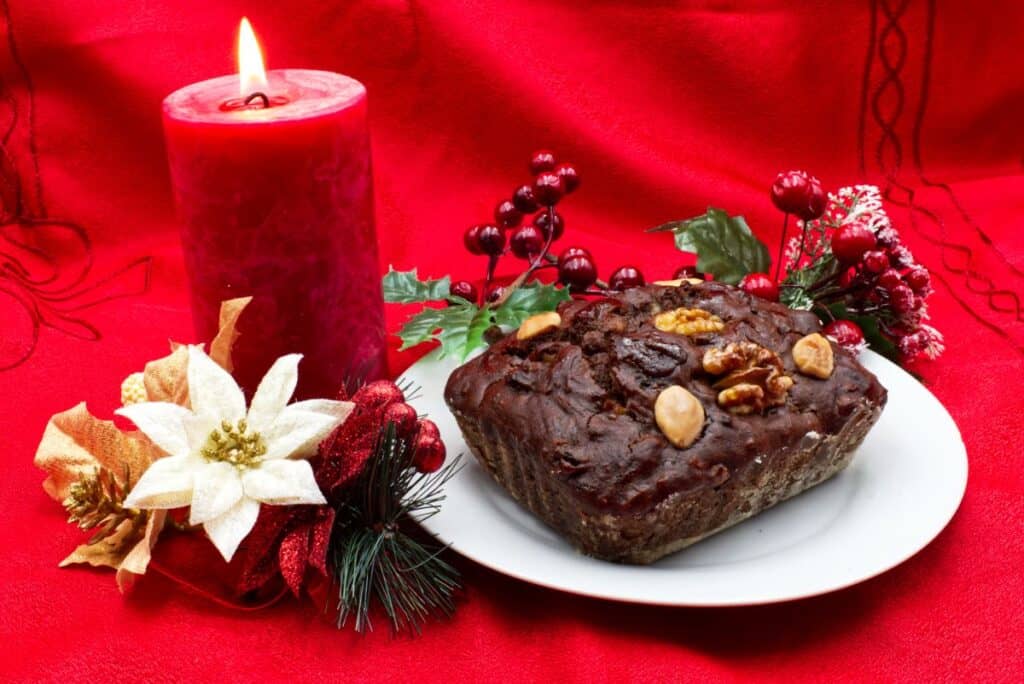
{"x": 252, "y": 76}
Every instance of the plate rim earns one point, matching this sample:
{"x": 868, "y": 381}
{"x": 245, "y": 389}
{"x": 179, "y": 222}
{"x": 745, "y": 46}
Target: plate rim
{"x": 964, "y": 467}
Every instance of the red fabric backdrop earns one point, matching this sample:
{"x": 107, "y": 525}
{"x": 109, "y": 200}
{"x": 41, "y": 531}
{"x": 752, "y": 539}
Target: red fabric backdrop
{"x": 665, "y": 107}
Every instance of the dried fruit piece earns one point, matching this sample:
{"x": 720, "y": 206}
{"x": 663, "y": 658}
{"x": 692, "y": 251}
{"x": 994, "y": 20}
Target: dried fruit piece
{"x": 753, "y": 377}
{"x": 537, "y": 324}
{"x": 813, "y": 356}
{"x": 679, "y": 415}
{"x": 684, "y": 321}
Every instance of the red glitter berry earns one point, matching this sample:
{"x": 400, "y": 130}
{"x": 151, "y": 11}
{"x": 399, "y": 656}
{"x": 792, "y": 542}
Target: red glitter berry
{"x": 428, "y": 452}
{"x": 492, "y": 240}
{"x": 507, "y": 215}
{"x": 760, "y": 285}
{"x": 464, "y": 289}
{"x": 625, "y": 278}
{"x": 846, "y": 334}
{"x": 876, "y": 261}
{"x": 548, "y": 188}
{"x": 524, "y": 200}
{"x": 543, "y": 221}
{"x": 527, "y": 242}
{"x": 378, "y": 394}
{"x": 542, "y": 160}
{"x": 471, "y": 239}
{"x": 403, "y": 416}
{"x": 851, "y": 241}
{"x": 570, "y": 177}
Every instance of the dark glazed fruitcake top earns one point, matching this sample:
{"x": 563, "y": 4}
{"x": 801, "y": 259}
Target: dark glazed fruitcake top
{"x": 581, "y": 396}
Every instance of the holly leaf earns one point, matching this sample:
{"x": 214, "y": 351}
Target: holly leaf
{"x": 405, "y": 287}
{"x": 459, "y": 327}
{"x": 725, "y": 246}
{"x": 528, "y": 300}
{"x": 464, "y": 335}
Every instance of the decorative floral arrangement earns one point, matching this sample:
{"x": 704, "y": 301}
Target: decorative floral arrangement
{"x": 308, "y": 497}
{"x": 846, "y": 264}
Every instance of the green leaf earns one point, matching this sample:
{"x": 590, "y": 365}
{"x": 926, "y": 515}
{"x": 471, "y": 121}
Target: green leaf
{"x": 405, "y": 287}
{"x": 528, "y": 300}
{"x": 794, "y": 292}
{"x": 465, "y": 332}
{"x": 724, "y": 245}
{"x": 421, "y": 327}
{"x": 459, "y": 327}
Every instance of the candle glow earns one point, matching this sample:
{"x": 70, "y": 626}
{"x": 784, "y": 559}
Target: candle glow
{"x": 252, "y": 76}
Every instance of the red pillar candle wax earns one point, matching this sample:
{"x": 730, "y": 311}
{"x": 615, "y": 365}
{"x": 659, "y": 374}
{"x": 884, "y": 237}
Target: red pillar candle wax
{"x": 276, "y": 202}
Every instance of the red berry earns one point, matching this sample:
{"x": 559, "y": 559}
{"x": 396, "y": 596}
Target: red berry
{"x": 851, "y": 241}
{"x": 524, "y": 200}
{"x": 403, "y": 416}
{"x": 378, "y": 394}
{"x": 543, "y": 221}
{"x": 760, "y": 285}
{"x": 876, "y": 261}
{"x": 684, "y": 272}
{"x": 495, "y": 294}
{"x": 901, "y": 299}
{"x": 890, "y": 279}
{"x": 625, "y": 278}
{"x": 799, "y": 193}
{"x": 570, "y": 177}
{"x": 492, "y": 240}
{"x": 527, "y": 242}
{"x": 578, "y": 272}
{"x": 548, "y": 188}
{"x": 848, "y": 278}
{"x": 846, "y": 334}
{"x": 789, "y": 191}
{"x": 573, "y": 252}
{"x": 471, "y": 239}
{"x": 464, "y": 289}
{"x": 918, "y": 279}
{"x": 542, "y": 160}
{"x": 507, "y": 215}
{"x": 428, "y": 450}
{"x": 816, "y": 201}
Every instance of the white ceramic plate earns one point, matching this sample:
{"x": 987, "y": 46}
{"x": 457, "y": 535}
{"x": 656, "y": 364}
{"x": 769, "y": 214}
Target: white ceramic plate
{"x": 903, "y": 486}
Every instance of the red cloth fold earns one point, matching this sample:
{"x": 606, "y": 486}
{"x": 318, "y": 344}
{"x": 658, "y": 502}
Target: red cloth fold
{"x": 665, "y": 108}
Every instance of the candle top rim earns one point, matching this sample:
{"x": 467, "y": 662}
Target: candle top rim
{"x": 311, "y": 92}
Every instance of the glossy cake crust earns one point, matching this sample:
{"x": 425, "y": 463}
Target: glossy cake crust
{"x": 564, "y": 421}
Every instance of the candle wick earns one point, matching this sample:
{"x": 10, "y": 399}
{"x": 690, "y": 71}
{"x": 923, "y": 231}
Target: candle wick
{"x": 260, "y": 96}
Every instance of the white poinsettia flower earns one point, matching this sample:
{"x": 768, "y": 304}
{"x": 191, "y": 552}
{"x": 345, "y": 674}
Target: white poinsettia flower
{"x": 224, "y": 461}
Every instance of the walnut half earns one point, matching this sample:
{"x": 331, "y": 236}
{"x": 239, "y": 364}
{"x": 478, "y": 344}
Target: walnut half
{"x": 684, "y": 321}
{"x": 753, "y": 377}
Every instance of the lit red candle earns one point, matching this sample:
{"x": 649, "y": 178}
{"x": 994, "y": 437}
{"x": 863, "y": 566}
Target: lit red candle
{"x": 272, "y": 179}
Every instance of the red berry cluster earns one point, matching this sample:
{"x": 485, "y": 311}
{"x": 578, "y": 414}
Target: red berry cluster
{"x": 800, "y": 194}
{"x": 532, "y": 241}
{"x": 345, "y": 452}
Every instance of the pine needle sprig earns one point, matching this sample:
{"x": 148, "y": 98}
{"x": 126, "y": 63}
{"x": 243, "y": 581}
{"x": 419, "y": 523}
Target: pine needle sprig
{"x": 374, "y": 556}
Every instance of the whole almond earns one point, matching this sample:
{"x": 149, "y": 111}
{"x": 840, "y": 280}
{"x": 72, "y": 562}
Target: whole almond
{"x": 679, "y": 415}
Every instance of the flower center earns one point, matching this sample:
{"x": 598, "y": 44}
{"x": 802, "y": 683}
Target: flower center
{"x": 234, "y": 444}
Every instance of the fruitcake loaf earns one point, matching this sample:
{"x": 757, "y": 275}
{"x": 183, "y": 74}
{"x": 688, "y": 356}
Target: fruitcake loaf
{"x": 642, "y": 422}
